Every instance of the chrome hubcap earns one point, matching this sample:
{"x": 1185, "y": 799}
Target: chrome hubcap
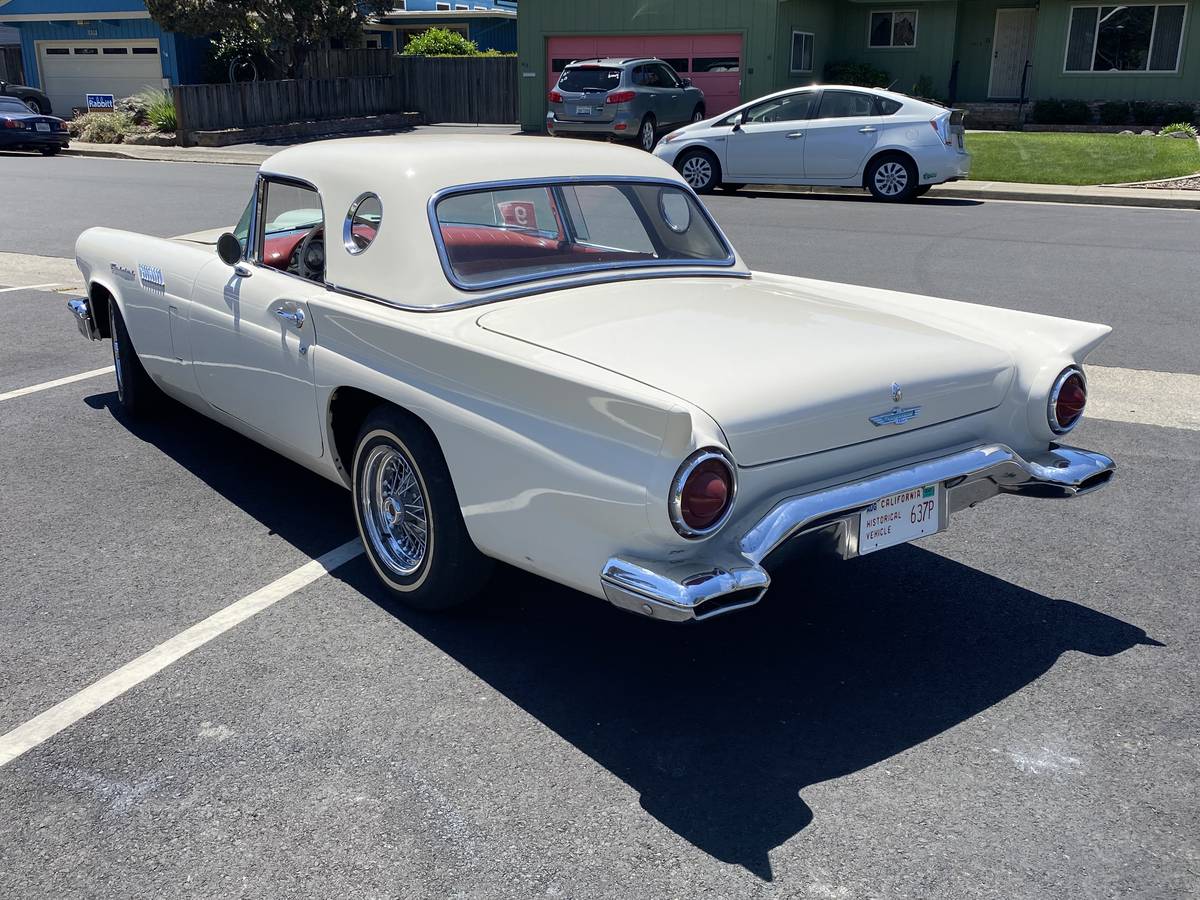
{"x": 697, "y": 171}
{"x": 393, "y": 510}
{"x": 891, "y": 178}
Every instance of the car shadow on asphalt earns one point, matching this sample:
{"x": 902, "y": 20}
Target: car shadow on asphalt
{"x": 849, "y": 196}
{"x": 719, "y": 726}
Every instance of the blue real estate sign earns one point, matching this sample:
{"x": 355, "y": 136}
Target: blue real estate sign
{"x": 100, "y": 102}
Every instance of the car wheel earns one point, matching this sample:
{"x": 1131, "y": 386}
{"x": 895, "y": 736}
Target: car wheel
{"x": 699, "y": 169}
{"x": 698, "y": 114}
{"x": 138, "y": 395}
{"x": 892, "y": 178}
{"x": 35, "y": 105}
{"x": 647, "y": 134}
{"x": 408, "y": 515}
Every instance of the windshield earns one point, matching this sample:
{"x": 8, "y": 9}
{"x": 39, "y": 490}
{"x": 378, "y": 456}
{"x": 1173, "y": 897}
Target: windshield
{"x": 502, "y": 236}
{"x": 12, "y": 105}
{"x": 587, "y": 79}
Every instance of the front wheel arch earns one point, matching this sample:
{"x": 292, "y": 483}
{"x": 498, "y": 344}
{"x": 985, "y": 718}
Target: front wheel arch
{"x": 890, "y": 153}
{"x": 98, "y": 299}
{"x": 701, "y": 150}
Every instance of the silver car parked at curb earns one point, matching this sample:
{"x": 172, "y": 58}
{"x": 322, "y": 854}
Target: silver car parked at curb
{"x": 895, "y": 146}
{"x": 622, "y": 98}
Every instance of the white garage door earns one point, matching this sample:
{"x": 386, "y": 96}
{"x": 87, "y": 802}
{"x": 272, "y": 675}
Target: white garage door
{"x": 73, "y": 69}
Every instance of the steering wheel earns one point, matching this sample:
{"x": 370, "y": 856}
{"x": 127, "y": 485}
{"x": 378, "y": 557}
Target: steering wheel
{"x": 310, "y": 256}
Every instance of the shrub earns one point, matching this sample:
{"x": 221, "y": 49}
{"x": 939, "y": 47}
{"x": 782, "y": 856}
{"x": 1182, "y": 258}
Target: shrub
{"x": 1060, "y": 112}
{"x": 1115, "y": 112}
{"x": 923, "y": 88}
{"x": 1179, "y": 112}
{"x": 862, "y": 74}
{"x": 159, "y": 108}
{"x": 101, "y": 127}
{"x": 1147, "y": 112}
{"x": 441, "y": 42}
{"x": 1186, "y": 127}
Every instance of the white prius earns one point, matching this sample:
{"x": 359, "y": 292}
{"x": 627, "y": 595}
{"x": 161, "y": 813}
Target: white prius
{"x": 569, "y": 369}
{"x": 835, "y": 135}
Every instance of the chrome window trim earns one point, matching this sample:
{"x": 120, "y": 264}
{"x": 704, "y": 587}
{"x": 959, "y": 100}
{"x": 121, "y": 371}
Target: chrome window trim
{"x": 348, "y": 226}
{"x": 1052, "y": 403}
{"x": 534, "y": 289}
{"x": 573, "y": 181}
{"x": 675, "y": 500}
{"x": 260, "y": 223}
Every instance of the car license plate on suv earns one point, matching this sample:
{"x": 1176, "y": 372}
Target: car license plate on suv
{"x": 584, "y": 110}
{"x": 42, "y": 126}
{"x": 900, "y": 518}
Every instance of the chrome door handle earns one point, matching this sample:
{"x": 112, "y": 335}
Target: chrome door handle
{"x": 795, "y": 134}
{"x": 294, "y": 317}
{"x": 867, "y": 129}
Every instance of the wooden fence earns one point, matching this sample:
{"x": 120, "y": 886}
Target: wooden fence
{"x": 351, "y": 83}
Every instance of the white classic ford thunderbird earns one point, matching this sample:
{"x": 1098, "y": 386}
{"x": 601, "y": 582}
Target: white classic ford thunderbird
{"x": 568, "y": 368}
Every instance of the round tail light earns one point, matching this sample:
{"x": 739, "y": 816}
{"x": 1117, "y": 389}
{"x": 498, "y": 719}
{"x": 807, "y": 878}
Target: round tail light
{"x": 1068, "y": 397}
{"x": 702, "y": 493}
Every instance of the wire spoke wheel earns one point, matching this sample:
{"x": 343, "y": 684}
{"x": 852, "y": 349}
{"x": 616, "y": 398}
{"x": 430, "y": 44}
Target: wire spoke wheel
{"x": 891, "y": 179}
{"x": 394, "y": 510}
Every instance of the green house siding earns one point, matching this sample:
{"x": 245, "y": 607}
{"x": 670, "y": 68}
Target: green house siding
{"x": 1049, "y": 80}
{"x": 539, "y": 20}
{"x": 973, "y": 49}
{"x": 933, "y": 54}
{"x": 817, "y": 17}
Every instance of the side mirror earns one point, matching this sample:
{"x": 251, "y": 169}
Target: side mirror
{"x": 737, "y": 126}
{"x": 229, "y": 249}
{"x": 687, "y": 82}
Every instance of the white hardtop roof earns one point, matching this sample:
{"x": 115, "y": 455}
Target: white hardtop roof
{"x": 402, "y": 265}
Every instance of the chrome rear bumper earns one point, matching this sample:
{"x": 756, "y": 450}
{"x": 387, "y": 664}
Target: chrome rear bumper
{"x": 82, "y": 312}
{"x": 680, "y": 592}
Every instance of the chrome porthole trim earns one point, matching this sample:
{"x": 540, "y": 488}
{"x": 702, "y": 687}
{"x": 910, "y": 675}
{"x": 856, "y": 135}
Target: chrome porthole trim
{"x": 1052, "y": 403}
{"x": 348, "y": 225}
{"x": 664, "y": 194}
{"x": 675, "y": 499}
{"x": 394, "y": 510}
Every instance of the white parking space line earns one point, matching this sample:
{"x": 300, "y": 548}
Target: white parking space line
{"x": 68, "y": 712}
{"x": 29, "y": 287}
{"x": 57, "y": 382}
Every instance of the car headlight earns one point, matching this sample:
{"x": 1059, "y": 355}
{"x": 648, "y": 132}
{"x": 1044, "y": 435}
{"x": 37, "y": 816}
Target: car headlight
{"x": 673, "y": 136}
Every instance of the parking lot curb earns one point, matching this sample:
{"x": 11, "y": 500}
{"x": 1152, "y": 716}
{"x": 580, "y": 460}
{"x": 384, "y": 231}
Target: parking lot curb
{"x": 168, "y": 154}
{"x": 1040, "y": 193}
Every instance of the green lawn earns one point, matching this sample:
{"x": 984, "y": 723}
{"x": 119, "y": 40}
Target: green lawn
{"x": 1044, "y": 158}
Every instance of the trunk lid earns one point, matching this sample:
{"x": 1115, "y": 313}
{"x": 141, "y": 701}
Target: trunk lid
{"x": 784, "y": 372}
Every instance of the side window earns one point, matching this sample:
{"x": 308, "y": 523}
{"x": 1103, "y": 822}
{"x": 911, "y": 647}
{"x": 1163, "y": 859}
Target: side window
{"x": 886, "y": 107}
{"x": 639, "y": 75}
{"x": 845, "y": 104}
{"x": 292, "y": 230}
{"x": 666, "y": 78}
{"x": 789, "y": 108}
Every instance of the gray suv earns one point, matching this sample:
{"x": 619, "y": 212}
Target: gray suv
{"x": 630, "y": 99}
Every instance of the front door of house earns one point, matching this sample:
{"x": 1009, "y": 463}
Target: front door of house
{"x": 1012, "y": 46}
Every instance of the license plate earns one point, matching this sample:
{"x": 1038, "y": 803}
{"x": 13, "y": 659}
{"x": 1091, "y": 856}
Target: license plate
{"x": 584, "y": 110}
{"x": 900, "y": 518}
{"x": 42, "y": 126}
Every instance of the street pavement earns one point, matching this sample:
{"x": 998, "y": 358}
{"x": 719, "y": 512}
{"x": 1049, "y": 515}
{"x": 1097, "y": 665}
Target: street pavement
{"x": 1007, "y": 709}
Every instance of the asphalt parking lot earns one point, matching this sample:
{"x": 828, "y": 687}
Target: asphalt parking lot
{"x": 1008, "y": 709}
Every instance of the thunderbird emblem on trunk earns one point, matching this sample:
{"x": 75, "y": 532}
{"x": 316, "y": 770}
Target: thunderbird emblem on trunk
{"x": 896, "y": 416}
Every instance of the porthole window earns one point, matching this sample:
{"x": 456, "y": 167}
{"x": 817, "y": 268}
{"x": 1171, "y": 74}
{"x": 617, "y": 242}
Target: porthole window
{"x": 362, "y": 223}
{"x": 676, "y": 209}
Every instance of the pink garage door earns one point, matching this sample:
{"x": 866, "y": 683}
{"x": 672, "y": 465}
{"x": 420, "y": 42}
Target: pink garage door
{"x": 712, "y": 61}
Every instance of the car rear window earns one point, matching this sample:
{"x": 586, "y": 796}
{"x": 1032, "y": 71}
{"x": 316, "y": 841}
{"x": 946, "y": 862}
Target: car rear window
{"x": 589, "y": 78}
{"x": 13, "y": 105}
{"x": 490, "y": 237}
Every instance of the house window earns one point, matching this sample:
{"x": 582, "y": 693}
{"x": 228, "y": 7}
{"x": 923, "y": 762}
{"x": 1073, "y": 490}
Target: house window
{"x": 462, "y": 6}
{"x": 441, "y": 6}
{"x": 802, "y": 52}
{"x": 1125, "y": 38}
{"x": 893, "y": 28}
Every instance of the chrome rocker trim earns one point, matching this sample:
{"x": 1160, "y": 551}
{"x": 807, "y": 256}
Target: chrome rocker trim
{"x": 678, "y": 592}
{"x": 82, "y": 312}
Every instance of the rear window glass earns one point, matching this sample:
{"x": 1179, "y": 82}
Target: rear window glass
{"x": 589, "y": 78}
{"x": 886, "y": 107}
{"x": 494, "y": 237}
{"x": 13, "y": 105}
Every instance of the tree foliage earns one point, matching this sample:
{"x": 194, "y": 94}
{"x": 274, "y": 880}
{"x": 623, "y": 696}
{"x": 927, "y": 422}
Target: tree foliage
{"x": 441, "y": 42}
{"x": 284, "y": 31}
